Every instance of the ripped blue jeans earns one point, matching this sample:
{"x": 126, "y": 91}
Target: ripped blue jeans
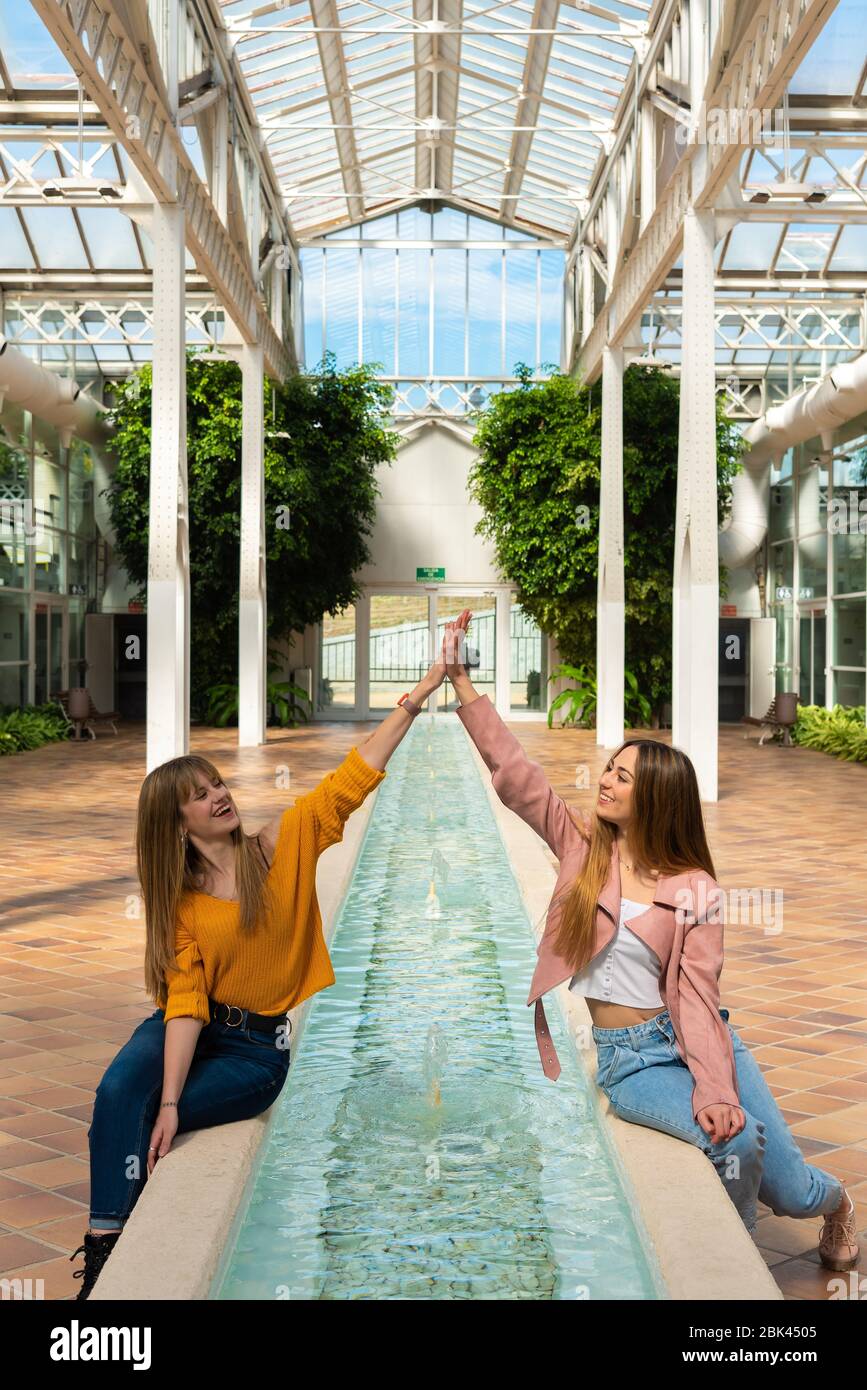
{"x": 648, "y": 1083}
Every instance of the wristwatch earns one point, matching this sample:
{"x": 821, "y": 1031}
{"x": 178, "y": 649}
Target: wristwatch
{"x": 409, "y": 705}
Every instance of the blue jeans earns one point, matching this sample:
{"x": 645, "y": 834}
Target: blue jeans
{"x": 648, "y": 1083}
{"x": 235, "y": 1073}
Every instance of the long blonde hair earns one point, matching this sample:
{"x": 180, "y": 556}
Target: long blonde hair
{"x": 666, "y": 833}
{"x": 169, "y": 865}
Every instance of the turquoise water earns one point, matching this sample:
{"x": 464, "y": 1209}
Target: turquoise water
{"x": 417, "y": 1151}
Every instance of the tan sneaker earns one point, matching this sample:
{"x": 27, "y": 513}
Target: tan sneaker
{"x": 838, "y": 1248}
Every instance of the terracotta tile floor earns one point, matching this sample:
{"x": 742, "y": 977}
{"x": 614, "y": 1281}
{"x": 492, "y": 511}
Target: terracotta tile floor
{"x": 71, "y": 954}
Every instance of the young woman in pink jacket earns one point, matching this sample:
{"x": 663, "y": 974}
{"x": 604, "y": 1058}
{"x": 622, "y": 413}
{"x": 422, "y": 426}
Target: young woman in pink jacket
{"x": 635, "y": 925}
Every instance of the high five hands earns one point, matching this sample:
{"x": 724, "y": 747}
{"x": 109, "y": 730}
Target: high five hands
{"x": 451, "y": 658}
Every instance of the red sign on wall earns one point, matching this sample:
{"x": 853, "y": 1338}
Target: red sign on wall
{"x": 728, "y": 610}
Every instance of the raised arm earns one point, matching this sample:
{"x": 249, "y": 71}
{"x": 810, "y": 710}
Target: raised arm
{"x": 519, "y": 782}
{"x": 342, "y": 791}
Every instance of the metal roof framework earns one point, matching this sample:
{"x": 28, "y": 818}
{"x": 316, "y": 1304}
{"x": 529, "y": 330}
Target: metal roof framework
{"x": 584, "y": 123}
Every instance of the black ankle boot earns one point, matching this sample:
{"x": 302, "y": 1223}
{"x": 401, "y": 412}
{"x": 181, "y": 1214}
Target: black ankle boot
{"x": 96, "y": 1251}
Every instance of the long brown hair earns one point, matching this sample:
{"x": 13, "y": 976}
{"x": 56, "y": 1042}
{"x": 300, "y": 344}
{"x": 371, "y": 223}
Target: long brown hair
{"x": 169, "y": 865}
{"x": 666, "y": 833}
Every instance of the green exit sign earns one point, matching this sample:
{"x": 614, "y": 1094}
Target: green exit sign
{"x": 429, "y": 572}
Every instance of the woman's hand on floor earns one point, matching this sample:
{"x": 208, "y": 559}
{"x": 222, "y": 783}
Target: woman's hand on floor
{"x": 162, "y": 1135}
{"x": 721, "y": 1121}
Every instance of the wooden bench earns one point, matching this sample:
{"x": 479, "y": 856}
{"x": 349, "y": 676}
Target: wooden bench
{"x": 780, "y": 718}
{"x": 93, "y": 716}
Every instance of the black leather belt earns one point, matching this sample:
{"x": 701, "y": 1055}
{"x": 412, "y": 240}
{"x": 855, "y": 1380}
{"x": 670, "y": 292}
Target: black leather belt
{"x": 236, "y": 1017}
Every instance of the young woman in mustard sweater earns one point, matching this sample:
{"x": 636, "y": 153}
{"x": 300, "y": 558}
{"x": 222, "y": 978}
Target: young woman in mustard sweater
{"x": 233, "y": 943}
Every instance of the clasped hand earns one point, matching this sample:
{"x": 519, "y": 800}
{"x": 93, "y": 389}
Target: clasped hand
{"x": 450, "y": 660}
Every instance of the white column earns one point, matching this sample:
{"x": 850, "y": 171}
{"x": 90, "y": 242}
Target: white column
{"x": 503, "y": 653}
{"x": 610, "y": 608}
{"x": 695, "y": 655}
{"x": 168, "y": 593}
{"x": 252, "y": 604}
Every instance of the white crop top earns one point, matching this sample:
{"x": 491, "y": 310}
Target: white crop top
{"x": 627, "y": 971}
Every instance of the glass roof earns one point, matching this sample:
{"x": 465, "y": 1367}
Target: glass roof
{"x": 381, "y": 106}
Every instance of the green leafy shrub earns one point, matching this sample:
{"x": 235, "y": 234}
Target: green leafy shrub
{"x": 537, "y": 482}
{"x": 222, "y": 705}
{"x": 581, "y": 698}
{"x": 325, "y": 435}
{"x": 31, "y": 726}
{"x": 840, "y": 731}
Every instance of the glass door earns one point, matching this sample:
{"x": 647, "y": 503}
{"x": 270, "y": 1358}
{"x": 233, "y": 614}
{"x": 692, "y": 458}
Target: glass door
{"x": 398, "y": 646}
{"x": 50, "y": 650}
{"x": 811, "y": 681}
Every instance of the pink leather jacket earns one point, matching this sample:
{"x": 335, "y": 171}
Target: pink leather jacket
{"x": 683, "y": 926}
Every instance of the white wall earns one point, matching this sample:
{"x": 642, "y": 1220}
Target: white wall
{"x": 424, "y": 515}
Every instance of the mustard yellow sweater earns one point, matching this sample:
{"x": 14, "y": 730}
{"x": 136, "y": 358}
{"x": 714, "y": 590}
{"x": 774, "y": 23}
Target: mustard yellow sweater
{"x": 285, "y": 959}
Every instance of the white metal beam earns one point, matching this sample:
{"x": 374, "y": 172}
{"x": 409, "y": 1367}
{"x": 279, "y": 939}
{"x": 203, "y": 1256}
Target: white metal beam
{"x": 95, "y": 43}
{"x": 778, "y": 35}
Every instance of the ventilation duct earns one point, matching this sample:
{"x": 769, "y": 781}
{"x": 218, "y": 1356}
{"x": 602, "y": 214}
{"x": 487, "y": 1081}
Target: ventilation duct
{"x": 812, "y": 412}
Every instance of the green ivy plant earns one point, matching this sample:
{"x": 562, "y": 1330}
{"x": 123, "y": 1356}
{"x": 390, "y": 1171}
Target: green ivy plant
{"x": 840, "y": 731}
{"x": 325, "y": 435}
{"x": 536, "y": 480}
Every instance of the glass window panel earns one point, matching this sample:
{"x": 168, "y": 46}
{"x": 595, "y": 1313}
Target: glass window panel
{"x": 806, "y": 246}
{"x": 413, "y": 272}
{"x": 849, "y": 565}
{"x": 485, "y": 271}
{"x": 341, "y": 297}
{"x": 480, "y": 229}
{"x": 380, "y": 229}
{"x": 14, "y": 628}
{"x": 49, "y": 476}
{"x": 849, "y": 632}
{"x": 13, "y": 685}
{"x": 836, "y": 56}
{"x": 520, "y": 311}
{"x": 81, "y": 490}
{"x": 528, "y": 674}
{"x": 379, "y": 280}
{"x": 27, "y": 46}
{"x": 851, "y": 249}
{"x": 56, "y": 239}
{"x": 449, "y": 225}
{"x": 813, "y": 566}
{"x": 553, "y": 264}
{"x": 312, "y": 263}
{"x": 337, "y": 661}
{"x": 782, "y": 509}
{"x": 849, "y": 687}
{"x": 76, "y": 617}
{"x": 752, "y": 245}
{"x": 414, "y": 225}
{"x": 16, "y": 254}
{"x": 80, "y": 567}
{"x": 810, "y": 498}
{"x": 399, "y": 646}
{"x": 110, "y": 238}
{"x": 449, "y": 311}
{"x": 48, "y": 561}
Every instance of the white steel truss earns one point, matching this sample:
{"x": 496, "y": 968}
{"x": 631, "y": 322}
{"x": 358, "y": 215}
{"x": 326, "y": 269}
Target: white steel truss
{"x": 97, "y": 45}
